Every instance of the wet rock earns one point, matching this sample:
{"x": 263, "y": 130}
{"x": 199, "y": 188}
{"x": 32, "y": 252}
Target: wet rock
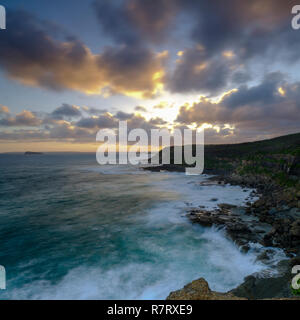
{"x": 199, "y": 290}
{"x": 267, "y": 240}
{"x": 238, "y": 226}
{"x": 272, "y": 211}
{"x": 245, "y": 248}
{"x": 295, "y": 229}
{"x": 263, "y": 287}
{"x": 263, "y": 257}
{"x": 226, "y": 206}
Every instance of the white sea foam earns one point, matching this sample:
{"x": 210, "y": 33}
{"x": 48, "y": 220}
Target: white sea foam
{"x": 180, "y": 252}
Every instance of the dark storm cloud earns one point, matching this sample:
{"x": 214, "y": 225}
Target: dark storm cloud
{"x": 66, "y": 132}
{"x": 141, "y": 109}
{"x": 196, "y": 71}
{"x": 157, "y": 122}
{"x": 103, "y": 121}
{"x": 61, "y": 126}
{"x": 133, "y": 68}
{"x": 246, "y": 25}
{"x": 24, "y": 118}
{"x": 32, "y": 56}
{"x": 273, "y": 104}
{"x": 251, "y": 29}
{"x": 240, "y": 77}
{"x": 115, "y": 21}
{"x": 94, "y": 111}
{"x": 135, "y": 21}
{"x": 123, "y": 115}
{"x": 66, "y": 111}
{"x": 217, "y": 25}
{"x": 263, "y": 94}
{"x": 109, "y": 121}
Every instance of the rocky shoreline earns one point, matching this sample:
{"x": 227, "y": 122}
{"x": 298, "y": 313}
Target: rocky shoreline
{"x": 272, "y": 221}
{"x": 254, "y": 287}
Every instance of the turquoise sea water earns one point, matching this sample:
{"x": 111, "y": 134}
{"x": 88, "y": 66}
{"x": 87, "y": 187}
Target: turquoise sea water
{"x": 71, "y": 229}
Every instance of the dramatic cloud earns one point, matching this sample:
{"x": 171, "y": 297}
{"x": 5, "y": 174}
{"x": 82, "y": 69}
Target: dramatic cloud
{"x": 271, "y": 105}
{"x": 131, "y": 22}
{"x": 93, "y": 111}
{"x": 25, "y": 118}
{"x": 175, "y": 50}
{"x": 68, "y": 132}
{"x": 30, "y": 55}
{"x": 162, "y": 105}
{"x": 140, "y": 108}
{"x": 250, "y": 29}
{"x": 66, "y": 111}
{"x": 222, "y": 25}
{"x": 123, "y": 115}
{"x": 104, "y": 121}
{"x": 196, "y": 71}
{"x": 136, "y": 71}
{"x": 84, "y": 130}
{"x": 220, "y": 31}
{"x": 4, "y": 109}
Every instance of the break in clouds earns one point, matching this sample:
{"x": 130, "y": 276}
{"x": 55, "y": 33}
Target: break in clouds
{"x": 239, "y": 59}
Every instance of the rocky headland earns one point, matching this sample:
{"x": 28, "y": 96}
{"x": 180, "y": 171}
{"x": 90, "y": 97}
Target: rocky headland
{"x": 272, "y": 169}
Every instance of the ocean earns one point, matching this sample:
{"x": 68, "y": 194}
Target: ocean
{"x": 72, "y": 229}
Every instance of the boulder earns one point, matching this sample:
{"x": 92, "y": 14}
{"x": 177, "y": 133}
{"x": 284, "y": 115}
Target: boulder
{"x": 295, "y": 229}
{"x": 199, "y": 290}
{"x": 262, "y": 287}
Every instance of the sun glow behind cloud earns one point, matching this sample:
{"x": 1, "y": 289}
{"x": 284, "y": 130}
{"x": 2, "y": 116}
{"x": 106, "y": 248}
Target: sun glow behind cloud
{"x": 152, "y": 69}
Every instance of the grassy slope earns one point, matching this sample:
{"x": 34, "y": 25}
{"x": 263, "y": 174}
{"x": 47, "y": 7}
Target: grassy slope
{"x": 276, "y": 158}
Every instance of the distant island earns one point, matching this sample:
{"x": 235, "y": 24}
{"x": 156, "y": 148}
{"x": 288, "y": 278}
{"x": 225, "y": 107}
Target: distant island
{"x": 29, "y": 153}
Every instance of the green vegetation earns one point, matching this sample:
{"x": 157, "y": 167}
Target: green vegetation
{"x": 276, "y": 159}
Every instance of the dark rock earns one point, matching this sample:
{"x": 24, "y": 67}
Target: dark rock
{"x": 295, "y": 229}
{"x": 259, "y": 287}
{"x": 199, "y": 290}
{"x": 226, "y": 206}
{"x": 263, "y": 257}
{"x": 245, "y": 248}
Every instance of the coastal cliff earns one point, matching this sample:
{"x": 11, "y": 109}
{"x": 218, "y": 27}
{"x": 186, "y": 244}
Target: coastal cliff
{"x": 272, "y": 168}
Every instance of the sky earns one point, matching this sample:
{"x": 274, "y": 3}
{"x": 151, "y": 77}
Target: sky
{"x": 69, "y": 68}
